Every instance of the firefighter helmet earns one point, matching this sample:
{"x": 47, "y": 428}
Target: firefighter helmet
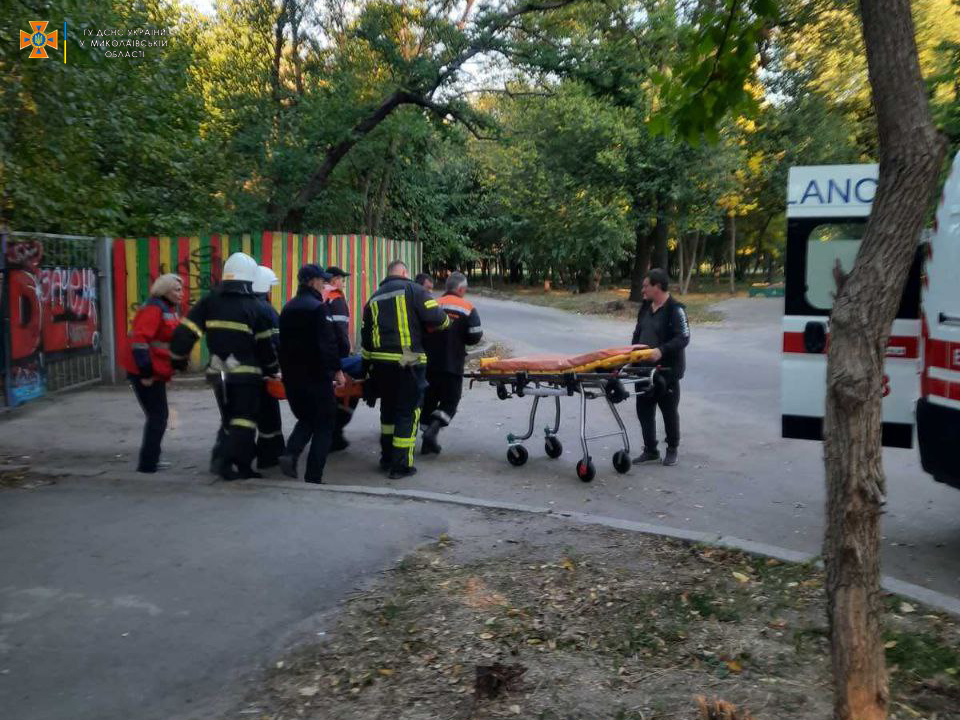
{"x": 264, "y": 279}
{"x": 240, "y": 266}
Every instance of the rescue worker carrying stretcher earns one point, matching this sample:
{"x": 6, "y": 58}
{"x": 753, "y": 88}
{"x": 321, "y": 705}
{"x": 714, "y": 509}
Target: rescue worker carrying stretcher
{"x": 395, "y": 321}
{"x": 446, "y": 353}
{"x": 240, "y": 341}
{"x": 340, "y": 315}
{"x": 269, "y": 424}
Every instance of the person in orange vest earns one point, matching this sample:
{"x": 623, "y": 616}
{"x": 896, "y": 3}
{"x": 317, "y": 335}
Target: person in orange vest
{"x": 146, "y": 358}
{"x": 446, "y": 353}
{"x": 336, "y": 301}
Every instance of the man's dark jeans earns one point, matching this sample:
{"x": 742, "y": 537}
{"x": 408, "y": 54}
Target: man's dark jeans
{"x": 314, "y": 406}
{"x": 668, "y": 402}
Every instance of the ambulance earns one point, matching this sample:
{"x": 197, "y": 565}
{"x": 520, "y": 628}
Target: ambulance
{"x": 827, "y": 211}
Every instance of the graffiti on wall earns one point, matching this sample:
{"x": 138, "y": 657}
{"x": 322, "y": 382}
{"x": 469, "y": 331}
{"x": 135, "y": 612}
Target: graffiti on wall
{"x": 53, "y": 312}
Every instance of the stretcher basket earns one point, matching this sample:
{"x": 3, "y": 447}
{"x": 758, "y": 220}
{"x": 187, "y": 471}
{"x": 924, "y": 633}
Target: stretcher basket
{"x": 613, "y": 374}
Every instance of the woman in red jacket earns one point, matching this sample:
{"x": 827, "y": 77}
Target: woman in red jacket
{"x": 147, "y": 362}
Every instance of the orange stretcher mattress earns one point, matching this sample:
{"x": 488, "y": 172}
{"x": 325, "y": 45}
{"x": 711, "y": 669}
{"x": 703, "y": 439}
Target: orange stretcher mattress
{"x": 606, "y": 359}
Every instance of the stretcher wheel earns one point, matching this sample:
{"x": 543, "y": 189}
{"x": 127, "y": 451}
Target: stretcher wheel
{"x": 586, "y": 471}
{"x": 621, "y": 461}
{"x": 502, "y": 392}
{"x": 553, "y": 447}
{"x": 517, "y": 455}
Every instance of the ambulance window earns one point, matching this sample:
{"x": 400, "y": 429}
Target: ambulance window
{"x": 827, "y": 244}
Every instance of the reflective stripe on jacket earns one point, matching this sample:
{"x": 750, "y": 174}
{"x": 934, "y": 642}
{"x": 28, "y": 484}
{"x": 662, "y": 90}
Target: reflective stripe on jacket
{"x": 239, "y": 333}
{"x": 147, "y": 350}
{"x": 395, "y": 321}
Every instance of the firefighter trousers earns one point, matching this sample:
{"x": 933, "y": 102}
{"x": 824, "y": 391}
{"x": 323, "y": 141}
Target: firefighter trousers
{"x": 401, "y": 393}
{"x": 269, "y": 431}
{"x": 442, "y": 398}
{"x": 239, "y": 405}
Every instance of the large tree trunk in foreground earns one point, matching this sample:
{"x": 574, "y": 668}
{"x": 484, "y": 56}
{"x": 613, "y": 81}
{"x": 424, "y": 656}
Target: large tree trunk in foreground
{"x": 911, "y": 153}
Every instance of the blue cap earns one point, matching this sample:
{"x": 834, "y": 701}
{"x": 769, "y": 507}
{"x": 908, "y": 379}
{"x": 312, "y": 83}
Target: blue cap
{"x": 310, "y": 272}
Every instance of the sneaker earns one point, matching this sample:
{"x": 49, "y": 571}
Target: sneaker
{"x": 338, "y": 443}
{"x": 402, "y": 472}
{"x": 317, "y": 481}
{"x": 670, "y": 458}
{"x": 288, "y": 466}
{"x": 646, "y": 456}
{"x": 164, "y": 465}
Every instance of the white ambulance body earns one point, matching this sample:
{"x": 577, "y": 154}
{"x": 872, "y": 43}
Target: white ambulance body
{"x": 827, "y": 210}
{"x": 938, "y": 409}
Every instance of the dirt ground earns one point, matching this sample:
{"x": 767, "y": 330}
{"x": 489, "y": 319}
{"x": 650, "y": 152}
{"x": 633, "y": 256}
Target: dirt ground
{"x": 574, "y": 623}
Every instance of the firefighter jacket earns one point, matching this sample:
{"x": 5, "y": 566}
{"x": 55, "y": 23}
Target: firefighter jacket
{"x": 339, "y": 314}
{"x": 274, "y": 317}
{"x": 447, "y": 351}
{"x": 668, "y": 330}
{"x": 395, "y": 321}
{"x": 147, "y": 351}
{"x": 239, "y": 334}
{"x": 310, "y": 348}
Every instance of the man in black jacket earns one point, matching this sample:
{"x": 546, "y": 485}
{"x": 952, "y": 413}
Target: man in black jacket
{"x": 661, "y": 324}
{"x": 310, "y": 351}
{"x": 395, "y": 321}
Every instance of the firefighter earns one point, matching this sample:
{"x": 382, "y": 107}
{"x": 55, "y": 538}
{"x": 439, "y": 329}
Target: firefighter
{"x": 446, "y": 353}
{"x": 395, "y": 320}
{"x": 269, "y": 423}
{"x": 146, "y": 358}
{"x": 340, "y": 315}
{"x": 661, "y": 324}
{"x": 310, "y": 352}
{"x": 240, "y": 341}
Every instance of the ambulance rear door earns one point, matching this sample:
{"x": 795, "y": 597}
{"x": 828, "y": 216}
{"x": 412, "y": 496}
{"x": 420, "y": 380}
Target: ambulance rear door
{"x": 827, "y": 211}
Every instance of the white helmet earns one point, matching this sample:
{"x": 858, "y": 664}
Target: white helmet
{"x": 264, "y": 280}
{"x": 240, "y": 266}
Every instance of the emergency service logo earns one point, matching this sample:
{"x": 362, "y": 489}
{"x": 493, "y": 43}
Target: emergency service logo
{"x": 38, "y": 40}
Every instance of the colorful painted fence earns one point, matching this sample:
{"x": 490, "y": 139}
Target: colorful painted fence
{"x": 199, "y": 261}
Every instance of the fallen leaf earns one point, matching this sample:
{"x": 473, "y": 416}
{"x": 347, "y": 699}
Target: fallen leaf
{"x": 741, "y": 577}
{"x": 890, "y": 644}
{"x": 309, "y": 691}
{"x": 567, "y": 564}
{"x": 515, "y": 709}
{"x": 486, "y": 636}
{"x": 906, "y": 607}
{"x": 386, "y": 672}
{"x": 734, "y": 666}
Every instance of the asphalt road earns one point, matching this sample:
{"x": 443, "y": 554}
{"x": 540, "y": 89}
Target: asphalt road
{"x": 146, "y": 600}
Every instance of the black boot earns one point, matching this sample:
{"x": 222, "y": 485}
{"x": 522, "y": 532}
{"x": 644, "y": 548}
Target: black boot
{"x": 429, "y": 444}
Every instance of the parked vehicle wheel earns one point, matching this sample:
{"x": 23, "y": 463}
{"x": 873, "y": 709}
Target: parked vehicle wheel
{"x": 586, "y": 471}
{"x": 553, "y": 447}
{"x": 517, "y": 455}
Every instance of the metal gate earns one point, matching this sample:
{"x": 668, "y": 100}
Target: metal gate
{"x": 50, "y": 322}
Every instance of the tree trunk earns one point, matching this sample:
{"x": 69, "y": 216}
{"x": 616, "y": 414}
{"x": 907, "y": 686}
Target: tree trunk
{"x": 910, "y": 155}
{"x": 660, "y": 240}
{"x": 732, "y": 229}
{"x": 685, "y": 283}
{"x": 641, "y": 259}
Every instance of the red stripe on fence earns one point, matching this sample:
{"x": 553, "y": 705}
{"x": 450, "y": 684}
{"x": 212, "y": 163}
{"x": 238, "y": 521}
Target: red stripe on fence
{"x": 154, "y": 254}
{"x": 183, "y": 270}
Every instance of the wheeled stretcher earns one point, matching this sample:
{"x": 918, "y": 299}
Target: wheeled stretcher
{"x": 612, "y": 374}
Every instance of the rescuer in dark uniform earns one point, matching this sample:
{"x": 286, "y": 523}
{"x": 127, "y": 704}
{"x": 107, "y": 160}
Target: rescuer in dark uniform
{"x": 269, "y": 422}
{"x": 310, "y": 352}
{"x": 661, "y": 324}
{"x": 340, "y": 315}
{"x": 446, "y": 353}
{"x": 395, "y": 321}
{"x": 240, "y": 341}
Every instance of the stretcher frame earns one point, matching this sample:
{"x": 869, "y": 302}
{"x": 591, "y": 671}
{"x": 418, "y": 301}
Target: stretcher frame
{"x": 611, "y": 385}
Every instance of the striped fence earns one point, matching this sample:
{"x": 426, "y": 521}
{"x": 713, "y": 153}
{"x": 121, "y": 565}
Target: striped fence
{"x": 199, "y": 262}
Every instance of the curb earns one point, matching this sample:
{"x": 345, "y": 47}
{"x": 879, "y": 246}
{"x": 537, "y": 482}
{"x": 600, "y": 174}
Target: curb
{"x": 931, "y": 598}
